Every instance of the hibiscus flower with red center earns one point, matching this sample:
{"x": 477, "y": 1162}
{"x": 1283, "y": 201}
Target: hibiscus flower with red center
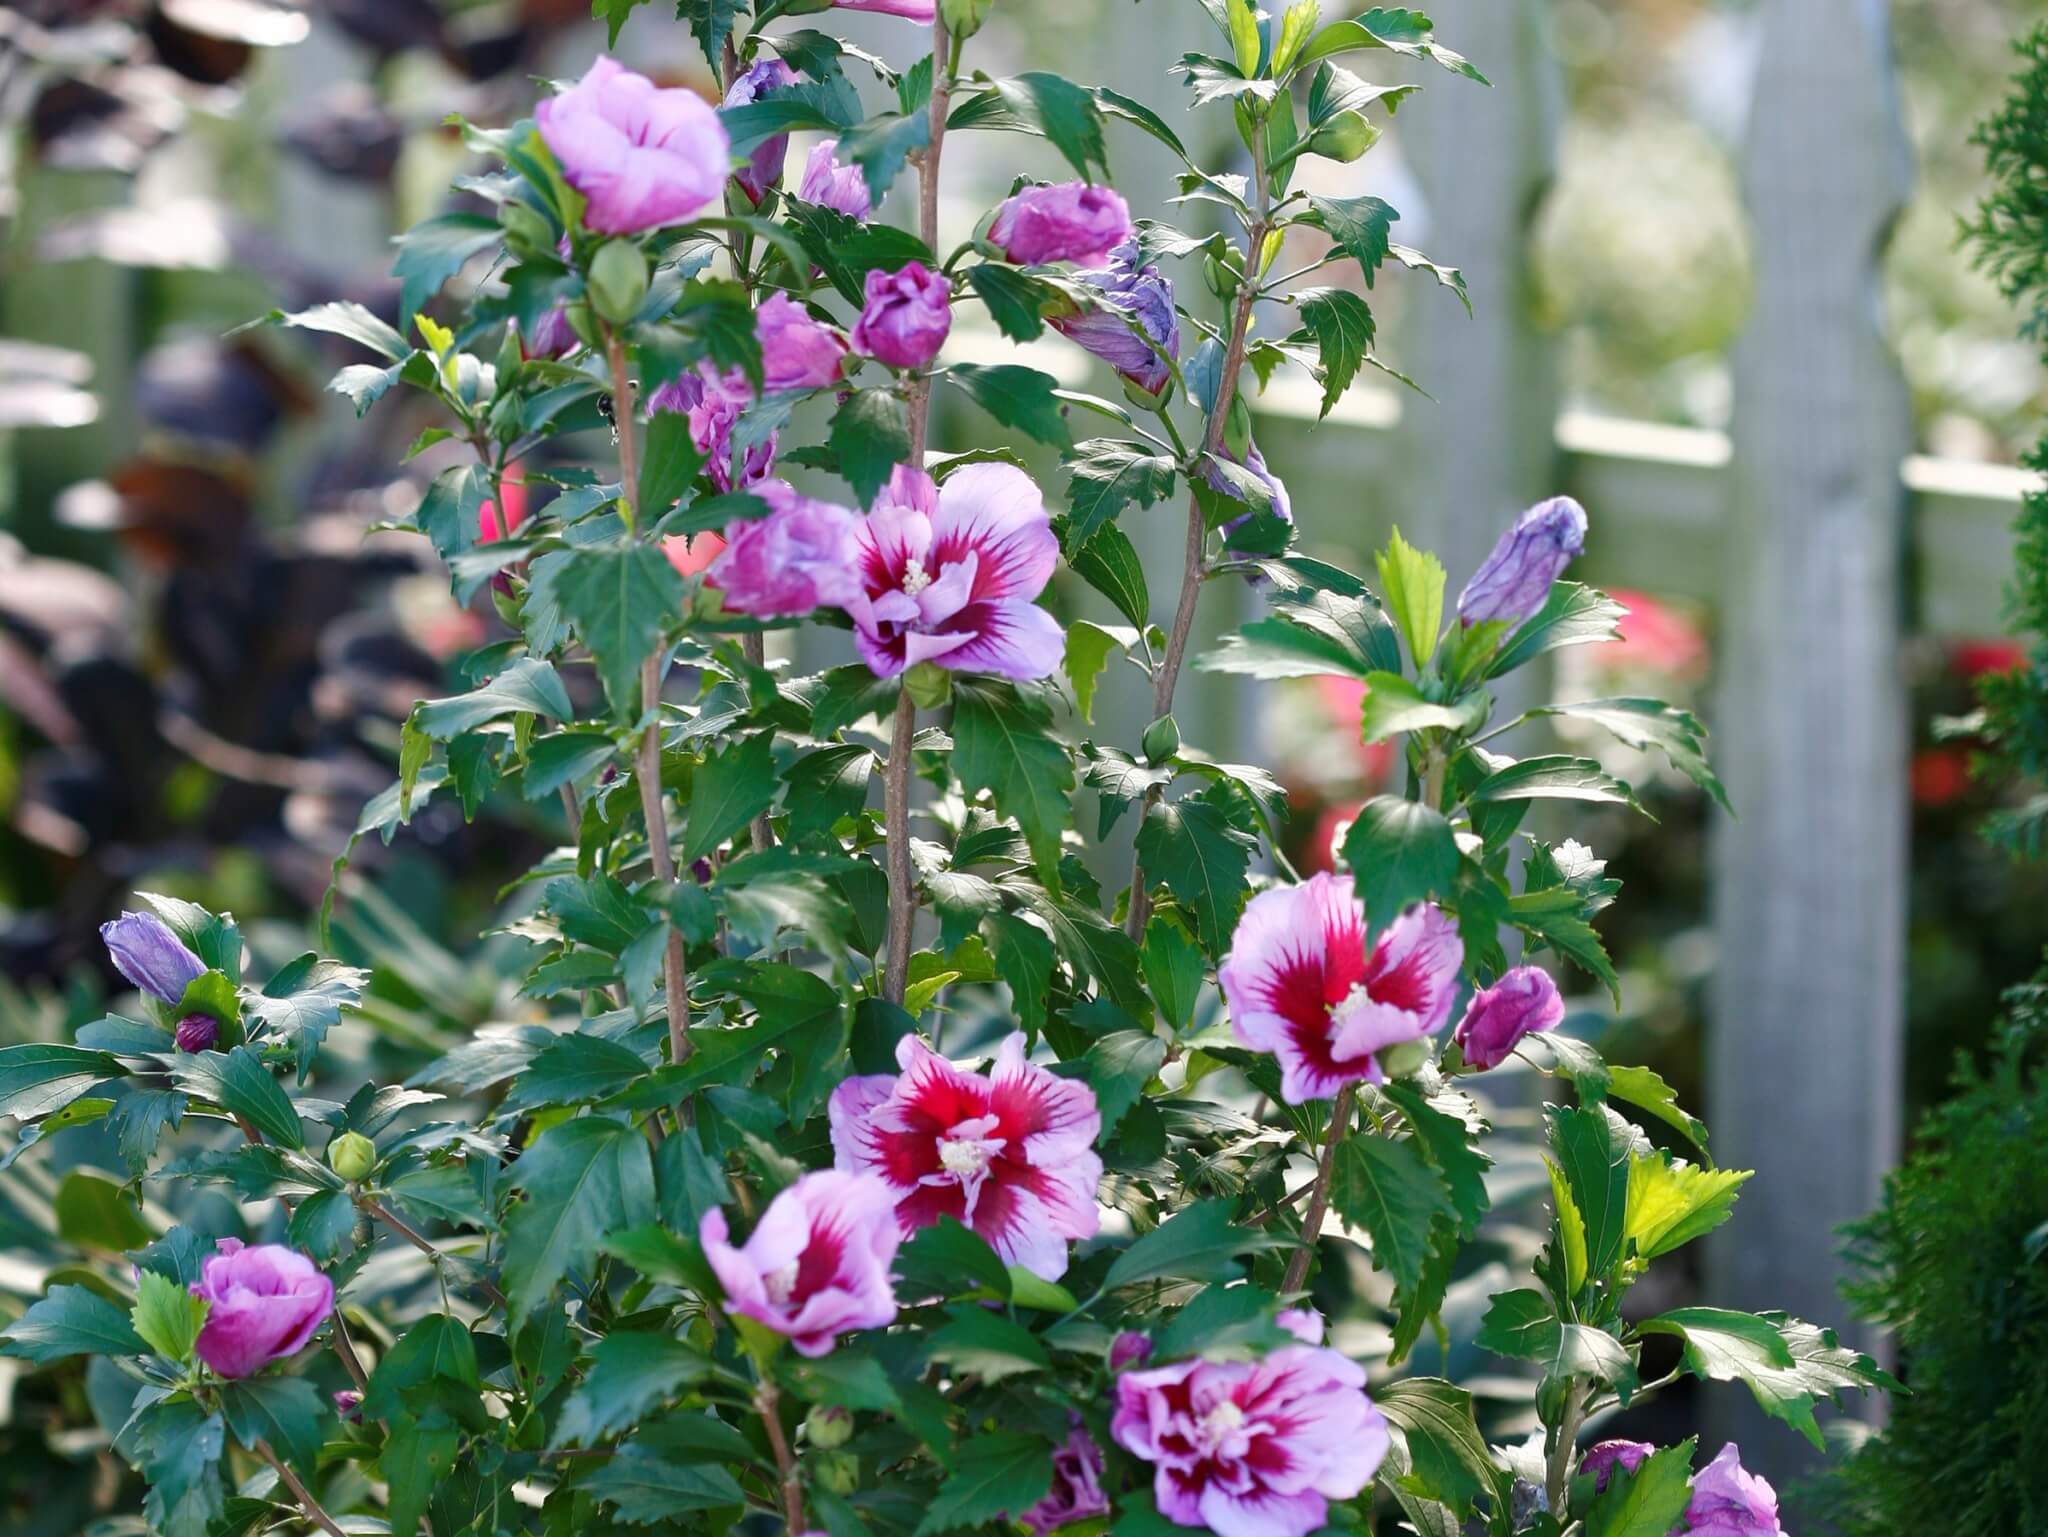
{"x": 1301, "y": 983}
{"x": 1010, "y": 1154}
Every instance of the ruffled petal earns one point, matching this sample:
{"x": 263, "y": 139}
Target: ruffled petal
{"x": 997, "y": 511}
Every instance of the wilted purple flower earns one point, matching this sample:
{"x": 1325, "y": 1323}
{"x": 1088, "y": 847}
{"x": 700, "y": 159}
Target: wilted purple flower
{"x": 798, "y": 558}
{"x": 149, "y": 955}
{"x": 835, "y": 186}
{"x": 906, "y": 317}
{"x": 197, "y": 1032}
{"x": 1523, "y": 1002}
{"x": 641, "y": 156}
{"x": 797, "y": 352}
{"x": 553, "y": 336}
{"x": 768, "y": 78}
{"x": 1514, "y": 580}
{"x": 1074, "y": 221}
{"x": 264, "y": 1304}
{"x": 1601, "y": 1459}
{"x": 713, "y": 402}
{"x": 1730, "y": 1502}
{"x": 1129, "y": 1348}
{"x": 1128, "y": 289}
{"x": 1282, "y": 508}
{"x": 1076, "y": 1492}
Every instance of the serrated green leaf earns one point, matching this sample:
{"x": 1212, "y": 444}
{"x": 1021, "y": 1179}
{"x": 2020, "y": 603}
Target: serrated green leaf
{"x": 1387, "y": 1189}
{"x": 995, "y": 1472}
{"x": 1106, "y": 476}
{"x": 869, "y": 437}
{"x": 1003, "y": 743}
{"x": 1399, "y": 852}
{"x": 1016, "y": 396}
{"x": 70, "y": 1321}
{"x": 620, "y": 598}
{"x": 731, "y": 788}
{"x": 582, "y": 1179}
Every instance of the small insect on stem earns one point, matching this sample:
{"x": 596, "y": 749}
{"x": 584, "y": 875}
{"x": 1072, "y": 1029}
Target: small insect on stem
{"x": 608, "y": 409}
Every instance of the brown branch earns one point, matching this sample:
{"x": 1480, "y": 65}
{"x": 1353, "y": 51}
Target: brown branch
{"x": 312, "y": 1507}
{"x": 1319, "y": 1193}
{"x": 768, "y": 1402}
{"x": 754, "y": 647}
{"x": 413, "y": 1236}
{"x": 346, "y": 1349}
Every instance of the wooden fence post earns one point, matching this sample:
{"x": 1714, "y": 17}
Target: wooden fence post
{"x": 1810, "y": 883}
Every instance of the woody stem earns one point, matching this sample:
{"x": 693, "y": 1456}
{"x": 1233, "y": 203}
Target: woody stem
{"x": 1319, "y": 1193}
{"x": 315, "y": 1512}
{"x": 767, "y": 1401}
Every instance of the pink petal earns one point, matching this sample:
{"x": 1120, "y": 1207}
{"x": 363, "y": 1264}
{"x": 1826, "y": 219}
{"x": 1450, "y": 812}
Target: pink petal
{"x": 997, "y": 511}
{"x": 1012, "y": 639}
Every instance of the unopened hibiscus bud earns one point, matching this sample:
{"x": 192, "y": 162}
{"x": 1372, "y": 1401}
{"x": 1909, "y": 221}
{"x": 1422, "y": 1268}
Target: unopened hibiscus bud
{"x": 843, "y": 188}
{"x": 828, "y": 1427}
{"x": 146, "y": 952}
{"x": 1522, "y": 1002}
{"x": 618, "y": 281}
{"x": 1128, "y": 1349}
{"x": 197, "y": 1033}
{"x": 348, "y": 1403}
{"x": 909, "y": 10}
{"x": 1344, "y": 137}
{"x": 352, "y": 1155}
{"x": 1072, "y": 222}
{"x": 1133, "y": 295}
{"x": 1161, "y": 740}
{"x": 767, "y": 79}
{"x": 1729, "y": 1501}
{"x": 642, "y": 156}
{"x": 838, "y": 1472}
{"x": 797, "y": 352}
{"x": 906, "y": 316}
{"x": 1513, "y": 581}
{"x": 264, "y": 1304}
{"x": 963, "y": 18}
{"x": 1404, "y": 1059}
{"x": 930, "y": 685}
{"x": 1602, "y": 1458}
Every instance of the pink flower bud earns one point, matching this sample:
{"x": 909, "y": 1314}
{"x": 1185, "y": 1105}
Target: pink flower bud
{"x": 264, "y": 1304}
{"x": 1522, "y": 1002}
{"x": 906, "y": 317}
{"x": 197, "y": 1032}
{"x": 1074, "y": 221}
{"x": 642, "y": 156}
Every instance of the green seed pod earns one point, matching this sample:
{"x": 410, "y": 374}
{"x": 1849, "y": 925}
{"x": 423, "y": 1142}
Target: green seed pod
{"x": 838, "y": 1472}
{"x": 618, "y": 280}
{"x": 828, "y": 1427}
{"x": 352, "y": 1155}
{"x": 963, "y": 18}
{"x": 1161, "y": 740}
{"x": 1405, "y": 1059}
{"x": 930, "y": 685}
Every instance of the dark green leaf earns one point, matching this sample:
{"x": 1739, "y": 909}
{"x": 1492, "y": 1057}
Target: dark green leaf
{"x": 627, "y": 1377}
{"x": 1003, "y": 743}
{"x": 1198, "y": 1243}
{"x": 995, "y": 1472}
{"x": 434, "y": 250}
{"x": 1361, "y": 225}
{"x": 620, "y": 598}
{"x": 70, "y": 1321}
{"x": 1109, "y": 563}
{"x": 526, "y": 686}
{"x": 870, "y": 436}
{"x": 1117, "y": 1067}
{"x": 1594, "y": 1159}
{"x": 985, "y": 1344}
{"x": 1571, "y": 616}
{"x": 284, "y": 1411}
{"x": 1446, "y": 1453}
{"x": 241, "y": 1085}
{"x": 1648, "y": 1502}
{"x": 1645, "y": 724}
{"x": 1018, "y": 397}
{"x": 671, "y": 465}
{"x": 1399, "y": 852}
{"x": 1387, "y": 1188}
{"x": 1196, "y": 847}
{"x": 582, "y": 1179}
{"x": 1341, "y": 325}
{"x": 1109, "y": 475}
{"x": 646, "y": 1486}
{"x": 39, "y": 1079}
{"x": 731, "y": 789}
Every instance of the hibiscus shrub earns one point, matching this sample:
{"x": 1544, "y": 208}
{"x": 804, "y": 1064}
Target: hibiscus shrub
{"x": 732, "y": 1238}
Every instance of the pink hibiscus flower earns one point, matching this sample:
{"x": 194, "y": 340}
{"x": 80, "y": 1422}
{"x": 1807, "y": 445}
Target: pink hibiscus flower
{"x": 1252, "y": 1448}
{"x": 948, "y": 575}
{"x": 816, "y": 1264}
{"x": 1301, "y": 984}
{"x": 1010, "y": 1154}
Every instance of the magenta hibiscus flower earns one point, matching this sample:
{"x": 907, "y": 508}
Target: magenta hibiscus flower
{"x": 948, "y": 575}
{"x": 1010, "y": 1154}
{"x": 1301, "y": 984}
{"x": 816, "y": 1264}
{"x": 1253, "y": 1448}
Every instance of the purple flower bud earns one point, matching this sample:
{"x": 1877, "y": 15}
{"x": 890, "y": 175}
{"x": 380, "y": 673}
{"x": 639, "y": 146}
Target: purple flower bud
{"x": 1131, "y": 292}
{"x": 642, "y": 156}
{"x": 1128, "y": 1349}
{"x": 148, "y": 954}
{"x": 1515, "y": 579}
{"x": 798, "y": 558}
{"x": 553, "y": 336}
{"x": 1600, "y": 1460}
{"x": 1074, "y": 221}
{"x": 906, "y": 317}
{"x": 713, "y": 403}
{"x": 197, "y": 1032}
{"x": 1282, "y": 507}
{"x": 264, "y": 1304}
{"x": 1728, "y": 1501}
{"x": 1523, "y": 1002}
{"x": 767, "y": 79}
{"x": 835, "y": 186}
{"x": 348, "y": 1403}
{"x": 909, "y": 10}
{"x": 797, "y": 352}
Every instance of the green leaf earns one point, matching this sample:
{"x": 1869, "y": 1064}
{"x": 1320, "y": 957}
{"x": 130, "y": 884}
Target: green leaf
{"x": 1016, "y": 300}
{"x": 1554, "y": 917}
{"x": 1003, "y": 743}
{"x": 870, "y": 436}
{"x": 1572, "y": 615}
{"x": 70, "y": 1321}
{"x": 1386, "y": 1188}
{"x": 844, "y": 1379}
{"x": 1400, "y": 31}
{"x": 997, "y": 1471}
{"x": 881, "y": 145}
{"x": 710, "y": 23}
{"x": 1341, "y": 325}
{"x": 1722, "y": 1344}
{"x": 628, "y": 1375}
{"x": 949, "y": 1258}
{"x": 985, "y": 1344}
{"x": 1594, "y": 1158}
{"x": 1571, "y": 1228}
{"x": 1108, "y": 475}
{"x": 582, "y": 1179}
{"x": 284, "y": 1411}
{"x": 1016, "y": 396}
{"x": 645, "y": 1485}
{"x": 1447, "y": 1455}
{"x": 671, "y": 464}
{"x": 418, "y": 1457}
{"x": 95, "y": 1213}
{"x": 1023, "y": 960}
{"x": 1198, "y": 1243}
{"x": 731, "y": 789}
{"x": 1173, "y": 969}
{"x": 1643, "y": 1088}
{"x": 1522, "y": 1324}
{"x": 304, "y": 1000}
{"x": 526, "y": 686}
{"x": 620, "y": 598}
{"x": 1413, "y": 581}
{"x": 1399, "y": 852}
{"x": 1089, "y": 647}
{"x": 1553, "y": 777}
{"x": 436, "y": 1349}
{"x": 323, "y": 1224}
{"x": 39, "y": 1079}
{"x": 1393, "y": 705}
{"x": 1117, "y": 1067}
{"x": 241, "y": 1085}
{"x": 565, "y": 758}
{"x": 1648, "y": 1502}
{"x": 1196, "y": 847}
{"x": 1786, "y": 1377}
{"x": 1065, "y": 113}
{"x": 434, "y": 250}
{"x": 179, "y": 1447}
{"x": 1450, "y": 1144}
{"x": 1109, "y": 563}
{"x": 572, "y": 1069}
{"x": 349, "y": 320}
{"x": 1645, "y": 724}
